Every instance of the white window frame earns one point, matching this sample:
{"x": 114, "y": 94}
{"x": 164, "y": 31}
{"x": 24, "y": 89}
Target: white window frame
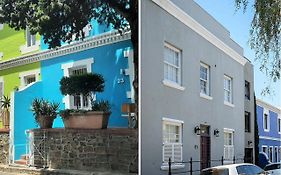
{"x": 166, "y": 81}
{"x": 229, "y": 148}
{"x": 226, "y": 78}
{"x": 266, "y": 111}
{"x": 179, "y": 123}
{"x": 23, "y": 75}
{"x": 279, "y": 124}
{"x": 279, "y": 153}
{"x": 1, "y": 26}
{"x": 208, "y": 87}
{"x": 67, "y": 67}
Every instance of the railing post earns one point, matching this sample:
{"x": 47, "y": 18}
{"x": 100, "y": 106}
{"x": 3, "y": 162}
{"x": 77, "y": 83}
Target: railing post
{"x": 190, "y": 166}
{"x": 221, "y": 160}
{"x": 233, "y": 159}
{"x": 170, "y": 172}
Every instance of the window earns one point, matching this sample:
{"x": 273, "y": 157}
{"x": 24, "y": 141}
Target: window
{"x": 80, "y": 101}
{"x": 275, "y": 154}
{"x": 172, "y": 64}
{"x": 247, "y": 122}
{"x": 30, "y": 39}
{"x": 29, "y": 77}
{"x": 228, "y": 144}
{"x": 77, "y": 68}
{"x": 227, "y": 89}
{"x": 279, "y": 125}
{"x": 270, "y": 153}
{"x": 266, "y": 120}
{"x": 264, "y": 149}
{"x": 247, "y": 90}
{"x": 279, "y": 152}
{"x": 172, "y": 141}
{"x": 204, "y": 79}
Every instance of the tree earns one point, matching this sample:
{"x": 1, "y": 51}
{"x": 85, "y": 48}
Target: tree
{"x": 265, "y": 35}
{"x": 59, "y": 20}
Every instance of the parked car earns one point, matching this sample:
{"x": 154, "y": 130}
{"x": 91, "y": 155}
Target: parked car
{"x": 234, "y": 169}
{"x": 273, "y": 168}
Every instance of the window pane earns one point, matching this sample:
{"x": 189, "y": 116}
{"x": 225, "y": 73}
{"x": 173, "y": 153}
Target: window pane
{"x": 171, "y": 64}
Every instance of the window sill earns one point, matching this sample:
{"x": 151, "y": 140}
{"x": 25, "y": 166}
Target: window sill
{"x": 229, "y": 104}
{"x": 25, "y": 49}
{"x": 174, "y": 166}
{"x": 173, "y": 85}
{"x": 266, "y": 130}
{"x": 206, "y": 96}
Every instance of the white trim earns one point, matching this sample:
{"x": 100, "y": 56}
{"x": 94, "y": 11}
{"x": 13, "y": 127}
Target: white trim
{"x": 97, "y": 41}
{"x": 228, "y": 130}
{"x": 2, "y": 81}
{"x": 22, "y": 75}
{"x": 130, "y": 71}
{"x": 270, "y": 138}
{"x": 27, "y": 49}
{"x": 174, "y": 166}
{"x": 266, "y": 111}
{"x": 226, "y": 78}
{"x": 277, "y": 155}
{"x": 228, "y": 104}
{"x": 182, "y": 16}
{"x": 264, "y": 146}
{"x": 208, "y": 78}
{"x": 174, "y": 121}
{"x": 202, "y": 95}
{"x": 271, "y": 153}
{"x": 173, "y": 85}
{"x": 266, "y": 105}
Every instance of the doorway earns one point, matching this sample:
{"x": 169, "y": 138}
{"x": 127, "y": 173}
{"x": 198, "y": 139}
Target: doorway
{"x": 205, "y": 146}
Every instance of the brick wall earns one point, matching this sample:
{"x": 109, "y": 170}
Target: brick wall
{"x": 4, "y": 146}
{"x": 92, "y": 150}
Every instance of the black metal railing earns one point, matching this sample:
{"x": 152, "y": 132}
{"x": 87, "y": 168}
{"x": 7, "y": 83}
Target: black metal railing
{"x": 191, "y": 163}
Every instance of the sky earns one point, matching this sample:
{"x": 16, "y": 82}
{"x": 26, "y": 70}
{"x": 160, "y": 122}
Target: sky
{"x": 239, "y": 24}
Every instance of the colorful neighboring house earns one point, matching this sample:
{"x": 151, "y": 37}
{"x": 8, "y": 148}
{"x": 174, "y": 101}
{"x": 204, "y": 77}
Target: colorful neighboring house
{"x": 269, "y": 124}
{"x": 104, "y": 51}
{"x": 14, "y": 44}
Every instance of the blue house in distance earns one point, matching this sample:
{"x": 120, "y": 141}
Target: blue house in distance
{"x": 103, "y": 51}
{"x": 269, "y": 124}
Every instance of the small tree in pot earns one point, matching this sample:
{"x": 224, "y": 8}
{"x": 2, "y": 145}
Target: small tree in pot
{"x": 44, "y": 112}
{"x": 85, "y": 85}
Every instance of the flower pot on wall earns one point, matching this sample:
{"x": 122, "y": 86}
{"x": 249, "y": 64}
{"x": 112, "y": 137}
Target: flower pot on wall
{"x": 45, "y": 122}
{"x": 6, "y": 119}
{"x": 88, "y": 120}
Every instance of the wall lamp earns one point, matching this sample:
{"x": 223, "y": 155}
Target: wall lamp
{"x": 216, "y": 132}
{"x": 197, "y": 130}
{"x": 250, "y": 143}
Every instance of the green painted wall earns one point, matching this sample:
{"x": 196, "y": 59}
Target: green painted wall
{"x": 10, "y": 42}
{"x": 11, "y": 76}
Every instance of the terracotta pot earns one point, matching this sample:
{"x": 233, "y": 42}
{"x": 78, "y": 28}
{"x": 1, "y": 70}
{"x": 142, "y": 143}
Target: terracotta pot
{"x": 45, "y": 122}
{"x": 88, "y": 120}
{"x": 6, "y": 119}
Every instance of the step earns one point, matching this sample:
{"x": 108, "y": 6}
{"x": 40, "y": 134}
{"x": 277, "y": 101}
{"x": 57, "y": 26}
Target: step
{"x": 24, "y": 157}
{"x": 21, "y": 162}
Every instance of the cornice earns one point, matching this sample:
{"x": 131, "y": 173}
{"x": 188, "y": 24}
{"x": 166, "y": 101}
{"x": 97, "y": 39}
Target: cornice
{"x": 97, "y": 41}
{"x": 187, "y": 20}
{"x": 268, "y": 106}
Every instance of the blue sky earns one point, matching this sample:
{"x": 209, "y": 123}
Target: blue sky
{"x": 239, "y": 24}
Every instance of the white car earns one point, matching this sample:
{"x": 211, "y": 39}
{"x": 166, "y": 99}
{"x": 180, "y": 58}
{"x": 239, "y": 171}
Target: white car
{"x": 273, "y": 168}
{"x": 234, "y": 169}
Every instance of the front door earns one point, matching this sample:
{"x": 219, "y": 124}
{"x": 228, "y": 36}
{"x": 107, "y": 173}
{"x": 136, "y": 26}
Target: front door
{"x": 205, "y": 146}
{"x": 248, "y": 155}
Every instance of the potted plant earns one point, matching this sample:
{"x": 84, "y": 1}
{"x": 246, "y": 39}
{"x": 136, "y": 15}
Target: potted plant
{"x": 85, "y": 85}
{"x": 5, "y": 105}
{"x": 44, "y": 112}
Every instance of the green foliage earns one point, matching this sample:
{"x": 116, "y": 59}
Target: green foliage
{"x": 59, "y": 20}
{"x": 82, "y": 84}
{"x": 41, "y": 107}
{"x": 5, "y": 102}
{"x": 266, "y": 34}
{"x": 102, "y": 105}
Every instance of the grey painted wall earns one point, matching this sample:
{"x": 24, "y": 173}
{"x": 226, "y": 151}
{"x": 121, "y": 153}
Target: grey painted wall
{"x": 160, "y": 101}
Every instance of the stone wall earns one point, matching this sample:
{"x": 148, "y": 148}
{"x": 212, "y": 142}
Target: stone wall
{"x": 92, "y": 150}
{"x": 4, "y": 146}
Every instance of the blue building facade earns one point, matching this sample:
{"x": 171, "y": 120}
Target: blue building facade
{"x": 269, "y": 125}
{"x": 109, "y": 54}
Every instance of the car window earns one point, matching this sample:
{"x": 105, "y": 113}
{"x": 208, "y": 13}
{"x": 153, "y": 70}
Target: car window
{"x": 221, "y": 171}
{"x": 272, "y": 167}
{"x": 248, "y": 169}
